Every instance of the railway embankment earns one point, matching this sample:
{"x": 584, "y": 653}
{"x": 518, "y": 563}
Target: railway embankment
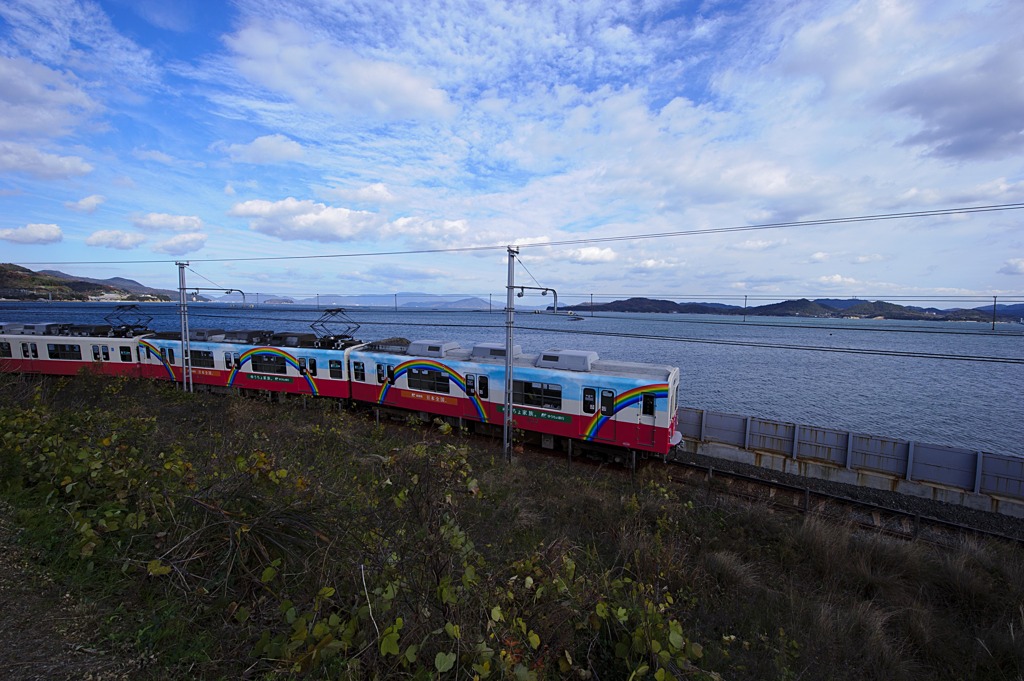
{"x": 218, "y": 537}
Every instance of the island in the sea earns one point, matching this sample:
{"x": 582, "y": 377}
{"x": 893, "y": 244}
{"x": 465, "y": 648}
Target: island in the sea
{"x": 852, "y": 308}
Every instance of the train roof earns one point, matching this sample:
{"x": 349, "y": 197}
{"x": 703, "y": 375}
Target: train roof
{"x": 494, "y": 353}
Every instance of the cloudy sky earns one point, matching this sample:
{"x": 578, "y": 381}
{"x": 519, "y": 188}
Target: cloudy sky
{"x": 147, "y": 130}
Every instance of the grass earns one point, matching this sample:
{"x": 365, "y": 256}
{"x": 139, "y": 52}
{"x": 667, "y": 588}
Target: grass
{"x": 225, "y": 536}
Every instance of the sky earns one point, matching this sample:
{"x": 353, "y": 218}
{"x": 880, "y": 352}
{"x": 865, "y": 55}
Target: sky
{"x": 138, "y": 133}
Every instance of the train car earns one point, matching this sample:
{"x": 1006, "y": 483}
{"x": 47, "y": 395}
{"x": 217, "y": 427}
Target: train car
{"x": 256, "y": 360}
{"x": 65, "y": 349}
{"x": 561, "y": 397}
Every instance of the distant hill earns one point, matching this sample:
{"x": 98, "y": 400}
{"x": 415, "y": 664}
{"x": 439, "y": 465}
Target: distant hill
{"x": 821, "y": 307}
{"x": 117, "y": 284}
{"x": 20, "y": 283}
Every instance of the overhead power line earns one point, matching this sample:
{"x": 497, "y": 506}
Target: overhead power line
{"x": 584, "y": 241}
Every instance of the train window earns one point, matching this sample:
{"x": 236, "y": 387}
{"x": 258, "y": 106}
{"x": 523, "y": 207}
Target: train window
{"x": 149, "y": 353}
{"x": 481, "y": 387}
{"x": 647, "y": 406}
{"x": 227, "y": 360}
{"x": 431, "y": 380}
{"x": 358, "y": 372}
{"x": 533, "y": 394}
{"x": 269, "y": 364}
{"x": 29, "y": 351}
{"x": 62, "y": 351}
{"x": 5, "y": 349}
{"x": 470, "y": 385}
{"x": 335, "y": 367}
{"x": 202, "y": 358}
{"x": 138, "y": 353}
{"x": 302, "y": 365}
{"x": 126, "y": 353}
{"x": 380, "y": 373}
{"x": 96, "y": 353}
{"x": 238, "y": 360}
{"x": 391, "y": 374}
{"x": 169, "y": 355}
{"x": 589, "y": 400}
{"x": 312, "y": 366}
{"x": 607, "y": 402}
{"x": 106, "y": 353}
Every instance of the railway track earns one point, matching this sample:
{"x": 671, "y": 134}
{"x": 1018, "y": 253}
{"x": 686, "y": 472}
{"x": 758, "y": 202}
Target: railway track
{"x": 871, "y": 516}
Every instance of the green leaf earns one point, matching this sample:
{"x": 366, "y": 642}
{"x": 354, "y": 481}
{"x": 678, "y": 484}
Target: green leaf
{"x": 443, "y": 662}
{"x": 241, "y": 615}
{"x": 326, "y": 592}
{"x": 389, "y": 644}
{"x": 534, "y": 639}
{"x": 496, "y": 613}
{"x": 268, "y": 574}
{"x": 157, "y": 568}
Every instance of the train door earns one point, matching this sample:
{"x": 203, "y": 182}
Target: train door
{"x": 30, "y": 353}
{"x": 646, "y": 422}
{"x": 600, "y": 402}
{"x": 477, "y": 388}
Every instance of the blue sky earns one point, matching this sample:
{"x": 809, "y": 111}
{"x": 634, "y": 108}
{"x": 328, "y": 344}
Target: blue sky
{"x": 154, "y": 130}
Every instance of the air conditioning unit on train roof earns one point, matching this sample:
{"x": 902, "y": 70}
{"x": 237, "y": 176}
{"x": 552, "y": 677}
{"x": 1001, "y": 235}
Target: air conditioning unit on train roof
{"x": 569, "y": 360}
{"x": 493, "y": 351}
{"x": 431, "y": 348}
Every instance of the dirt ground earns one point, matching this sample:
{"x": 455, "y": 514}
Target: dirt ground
{"x": 45, "y": 633}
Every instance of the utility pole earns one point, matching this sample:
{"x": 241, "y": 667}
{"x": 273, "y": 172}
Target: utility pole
{"x": 186, "y": 349}
{"x": 509, "y": 319}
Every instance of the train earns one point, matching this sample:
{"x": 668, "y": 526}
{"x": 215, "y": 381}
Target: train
{"x": 566, "y": 399}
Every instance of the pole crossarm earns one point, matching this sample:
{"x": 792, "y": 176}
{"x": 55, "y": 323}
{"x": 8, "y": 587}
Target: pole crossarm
{"x": 544, "y": 290}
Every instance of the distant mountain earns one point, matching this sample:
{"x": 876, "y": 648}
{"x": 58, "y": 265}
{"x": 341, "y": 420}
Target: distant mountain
{"x": 20, "y": 283}
{"x": 442, "y": 304}
{"x": 839, "y": 303}
{"x": 791, "y": 308}
{"x": 117, "y": 283}
{"x": 821, "y": 307}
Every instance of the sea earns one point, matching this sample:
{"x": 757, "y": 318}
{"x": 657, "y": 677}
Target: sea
{"x": 948, "y": 383}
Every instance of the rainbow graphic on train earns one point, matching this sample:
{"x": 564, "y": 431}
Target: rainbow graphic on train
{"x": 153, "y": 350}
{"x": 249, "y": 354}
{"x": 453, "y": 376}
{"x": 630, "y": 397}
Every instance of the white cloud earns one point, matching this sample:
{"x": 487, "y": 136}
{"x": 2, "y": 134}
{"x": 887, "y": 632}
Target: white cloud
{"x": 164, "y": 221}
{"x": 36, "y": 100}
{"x": 291, "y": 219}
{"x": 871, "y": 257}
{"x": 154, "y": 155}
{"x": 819, "y": 256}
{"x": 590, "y": 255}
{"x": 266, "y": 149}
{"x": 758, "y": 245}
{"x": 33, "y": 234}
{"x": 320, "y": 75}
{"x": 24, "y": 158}
{"x": 79, "y": 35}
{"x": 837, "y": 280}
{"x": 1013, "y": 266}
{"x": 377, "y": 192}
{"x": 181, "y": 244}
{"x": 87, "y": 205}
{"x": 443, "y": 231}
{"x": 112, "y": 238}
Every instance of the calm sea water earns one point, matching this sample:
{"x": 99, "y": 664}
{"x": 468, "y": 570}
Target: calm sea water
{"x": 780, "y": 368}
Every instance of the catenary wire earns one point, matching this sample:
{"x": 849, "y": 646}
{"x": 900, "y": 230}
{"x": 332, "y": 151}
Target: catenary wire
{"x": 708, "y": 341}
{"x": 966, "y": 210}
